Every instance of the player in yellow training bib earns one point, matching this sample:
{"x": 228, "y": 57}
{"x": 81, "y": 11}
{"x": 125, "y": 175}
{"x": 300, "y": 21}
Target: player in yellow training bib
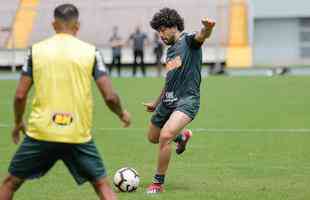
{"x": 61, "y": 69}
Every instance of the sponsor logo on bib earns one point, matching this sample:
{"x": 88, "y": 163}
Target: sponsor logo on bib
{"x": 62, "y": 119}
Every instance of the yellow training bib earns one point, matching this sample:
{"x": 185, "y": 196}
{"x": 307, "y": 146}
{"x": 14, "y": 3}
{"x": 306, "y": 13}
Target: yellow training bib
{"x": 62, "y": 104}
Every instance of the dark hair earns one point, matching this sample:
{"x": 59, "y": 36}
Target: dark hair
{"x": 66, "y": 12}
{"x": 167, "y": 17}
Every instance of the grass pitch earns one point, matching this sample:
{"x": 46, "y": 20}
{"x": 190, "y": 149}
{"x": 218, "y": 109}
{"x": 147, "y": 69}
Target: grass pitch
{"x": 251, "y": 141}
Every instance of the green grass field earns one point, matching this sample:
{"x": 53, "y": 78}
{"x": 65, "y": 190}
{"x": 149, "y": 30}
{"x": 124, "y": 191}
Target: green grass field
{"x": 254, "y": 148}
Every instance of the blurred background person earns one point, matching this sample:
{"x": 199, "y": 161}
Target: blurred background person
{"x": 116, "y": 44}
{"x": 158, "y": 50}
{"x": 138, "y": 39}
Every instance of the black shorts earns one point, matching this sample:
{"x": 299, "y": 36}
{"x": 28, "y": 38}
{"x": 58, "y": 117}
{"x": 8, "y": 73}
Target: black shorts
{"x": 35, "y": 158}
{"x": 189, "y": 106}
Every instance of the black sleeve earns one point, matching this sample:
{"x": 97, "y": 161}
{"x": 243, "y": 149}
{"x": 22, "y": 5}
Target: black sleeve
{"x": 27, "y": 67}
{"x": 191, "y": 42}
{"x": 99, "y": 68}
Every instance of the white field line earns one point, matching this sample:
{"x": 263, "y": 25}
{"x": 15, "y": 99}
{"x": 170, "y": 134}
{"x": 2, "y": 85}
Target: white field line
{"x": 210, "y": 130}
{"x": 4, "y": 126}
{"x": 222, "y": 130}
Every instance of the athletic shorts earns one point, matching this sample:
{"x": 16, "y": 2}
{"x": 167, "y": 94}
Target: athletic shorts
{"x": 35, "y": 158}
{"x": 189, "y": 106}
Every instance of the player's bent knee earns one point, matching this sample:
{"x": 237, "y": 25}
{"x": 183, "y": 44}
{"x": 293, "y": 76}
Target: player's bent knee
{"x": 165, "y": 138}
{"x": 12, "y": 182}
{"x": 152, "y": 139}
{"x": 153, "y": 134}
{"x": 102, "y": 184}
{"x": 104, "y": 189}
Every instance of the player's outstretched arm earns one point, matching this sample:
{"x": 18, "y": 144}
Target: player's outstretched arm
{"x": 20, "y": 101}
{"x": 205, "y": 31}
{"x": 112, "y": 100}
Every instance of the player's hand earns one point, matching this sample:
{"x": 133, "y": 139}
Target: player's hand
{"x": 16, "y": 132}
{"x": 208, "y": 23}
{"x": 150, "y": 107}
{"x": 125, "y": 118}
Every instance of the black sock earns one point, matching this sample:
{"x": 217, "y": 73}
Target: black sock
{"x": 178, "y": 138}
{"x": 159, "y": 179}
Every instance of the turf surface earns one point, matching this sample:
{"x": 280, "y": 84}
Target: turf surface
{"x": 251, "y": 142}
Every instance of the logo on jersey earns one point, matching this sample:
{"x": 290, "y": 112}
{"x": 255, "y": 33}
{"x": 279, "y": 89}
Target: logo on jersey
{"x": 62, "y": 119}
{"x": 170, "y": 99}
{"x": 174, "y": 63}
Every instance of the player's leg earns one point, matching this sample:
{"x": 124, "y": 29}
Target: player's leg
{"x": 153, "y": 133}
{"x": 111, "y": 65}
{"x": 119, "y": 66}
{"x": 142, "y": 63}
{"x": 32, "y": 160}
{"x": 158, "y": 120}
{"x": 85, "y": 164}
{"x": 181, "y": 140}
{"x": 104, "y": 189}
{"x": 9, "y": 186}
{"x": 175, "y": 124}
{"x": 138, "y": 58}
{"x": 134, "y": 67}
{"x": 191, "y": 109}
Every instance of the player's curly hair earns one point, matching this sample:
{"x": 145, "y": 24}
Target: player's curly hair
{"x": 167, "y": 17}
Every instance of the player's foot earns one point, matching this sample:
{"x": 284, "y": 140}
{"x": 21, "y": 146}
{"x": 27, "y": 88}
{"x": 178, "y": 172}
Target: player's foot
{"x": 181, "y": 146}
{"x": 155, "y": 188}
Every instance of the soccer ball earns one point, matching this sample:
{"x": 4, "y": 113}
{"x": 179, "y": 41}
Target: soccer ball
{"x": 126, "y": 179}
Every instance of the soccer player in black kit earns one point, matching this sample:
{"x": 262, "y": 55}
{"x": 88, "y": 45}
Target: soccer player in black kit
{"x": 179, "y": 100}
